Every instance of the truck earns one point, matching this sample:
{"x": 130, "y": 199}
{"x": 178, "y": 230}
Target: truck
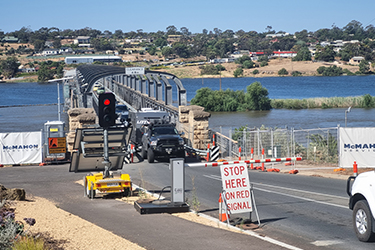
{"x": 155, "y": 136}
{"x": 361, "y": 190}
{"x": 161, "y": 141}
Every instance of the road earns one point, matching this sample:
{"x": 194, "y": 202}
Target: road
{"x": 305, "y": 212}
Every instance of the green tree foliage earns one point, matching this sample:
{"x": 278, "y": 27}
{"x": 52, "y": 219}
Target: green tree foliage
{"x": 161, "y": 42}
{"x": 9, "y": 66}
{"x": 330, "y": 71}
{"x": 102, "y": 44}
{"x": 368, "y": 101}
{"x": 238, "y": 72}
{"x": 326, "y": 54}
{"x": 224, "y": 46}
{"x": 181, "y": 50}
{"x": 152, "y": 50}
{"x": 364, "y": 67}
{"x": 45, "y": 73}
{"x": 166, "y": 51}
{"x": 209, "y": 70}
{"x": 296, "y": 73}
{"x": 255, "y": 72}
{"x": 256, "y": 98}
{"x": 303, "y": 54}
{"x": 283, "y": 72}
{"x": 220, "y": 67}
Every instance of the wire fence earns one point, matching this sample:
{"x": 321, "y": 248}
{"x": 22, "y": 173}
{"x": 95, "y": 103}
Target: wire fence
{"x": 316, "y": 145}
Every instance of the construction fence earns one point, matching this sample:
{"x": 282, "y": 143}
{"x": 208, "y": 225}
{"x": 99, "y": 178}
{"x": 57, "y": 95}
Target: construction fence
{"x": 316, "y": 145}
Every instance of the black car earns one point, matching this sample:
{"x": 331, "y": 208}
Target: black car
{"x": 161, "y": 141}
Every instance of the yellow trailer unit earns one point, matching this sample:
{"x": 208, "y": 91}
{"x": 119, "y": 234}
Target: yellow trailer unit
{"x": 116, "y": 184}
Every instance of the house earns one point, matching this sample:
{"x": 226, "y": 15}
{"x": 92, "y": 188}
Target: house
{"x": 50, "y": 52}
{"x": 277, "y": 35}
{"x": 10, "y": 39}
{"x": 65, "y": 50}
{"x": 82, "y": 41}
{"x": 284, "y": 54}
{"x": 356, "y": 59}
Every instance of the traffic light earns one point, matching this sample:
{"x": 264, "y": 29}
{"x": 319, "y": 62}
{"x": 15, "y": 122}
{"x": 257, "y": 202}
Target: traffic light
{"x": 107, "y": 110}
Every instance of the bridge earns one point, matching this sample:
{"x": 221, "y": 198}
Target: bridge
{"x": 150, "y": 89}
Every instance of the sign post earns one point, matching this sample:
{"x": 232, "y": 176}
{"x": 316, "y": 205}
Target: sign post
{"x": 238, "y": 192}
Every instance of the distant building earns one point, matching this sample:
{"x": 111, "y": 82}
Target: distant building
{"x": 277, "y": 35}
{"x": 10, "y": 39}
{"x": 50, "y": 52}
{"x": 356, "y": 59}
{"x": 91, "y": 59}
{"x": 65, "y": 50}
{"x": 284, "y": 54}
{"x": 82, "y": 41}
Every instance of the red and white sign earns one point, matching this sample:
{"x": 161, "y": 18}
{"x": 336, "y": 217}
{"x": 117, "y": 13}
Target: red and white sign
{"x": 235, "y": 180}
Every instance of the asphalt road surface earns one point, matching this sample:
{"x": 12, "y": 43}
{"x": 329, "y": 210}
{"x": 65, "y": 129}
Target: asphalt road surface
{"x": 305, "y": 212}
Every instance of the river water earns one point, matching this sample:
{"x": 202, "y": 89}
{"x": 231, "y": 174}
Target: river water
{"x": 32, "y": 118}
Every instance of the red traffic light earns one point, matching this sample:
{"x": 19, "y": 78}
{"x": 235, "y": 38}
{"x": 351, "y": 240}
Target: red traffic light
{"x": 107, "y": 102}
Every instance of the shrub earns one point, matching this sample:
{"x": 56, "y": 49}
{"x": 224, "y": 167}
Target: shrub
{"x": 283, "y": 72}
{"x": 255, "y": 72}
{"x": 296, "y": 73}
{"x": 262, "y": 64}
{"x": 238, "y": 72}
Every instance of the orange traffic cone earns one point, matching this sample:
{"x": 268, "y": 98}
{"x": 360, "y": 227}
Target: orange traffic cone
{"x": 223, "y": 215}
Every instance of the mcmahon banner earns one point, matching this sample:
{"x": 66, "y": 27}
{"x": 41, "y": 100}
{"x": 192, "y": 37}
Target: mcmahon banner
{"x": 20, "y": 148}
{"x": 357, "y": 145}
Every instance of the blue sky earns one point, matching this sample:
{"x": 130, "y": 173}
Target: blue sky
{"x": 151, "y": 16}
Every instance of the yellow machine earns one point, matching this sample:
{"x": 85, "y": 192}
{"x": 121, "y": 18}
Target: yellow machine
{"x": 113, "y": 184}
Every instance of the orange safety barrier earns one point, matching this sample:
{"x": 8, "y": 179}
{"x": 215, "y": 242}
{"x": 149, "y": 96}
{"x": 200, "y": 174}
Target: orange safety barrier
{"x": 355, "y": 168}
{"x": 223, "y": 216}
{"x": 252, "y": 155}
{"x": 273, "y": 170}
{"x": 294, "y": 171}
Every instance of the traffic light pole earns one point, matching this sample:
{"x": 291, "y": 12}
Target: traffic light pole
{"x": 106, "y": 161}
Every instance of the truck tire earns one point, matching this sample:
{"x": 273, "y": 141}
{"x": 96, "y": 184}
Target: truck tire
{"x": 143, "y": 153}
{"x": 362, "y": 221}
{"x": 150, "y": 156}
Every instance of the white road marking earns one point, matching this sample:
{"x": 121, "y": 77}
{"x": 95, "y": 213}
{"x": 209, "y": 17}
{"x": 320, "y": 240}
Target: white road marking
{"x": 215, "y": 177}
{"x": 324, "y": 243}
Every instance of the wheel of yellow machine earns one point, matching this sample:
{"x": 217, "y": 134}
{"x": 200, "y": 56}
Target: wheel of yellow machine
{"x": 90, "y": 193}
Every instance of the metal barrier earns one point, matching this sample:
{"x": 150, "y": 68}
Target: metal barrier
{"x": 318, "y": 145}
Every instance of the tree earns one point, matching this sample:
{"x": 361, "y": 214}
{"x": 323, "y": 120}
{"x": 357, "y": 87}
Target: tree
{"x": 238, "y": 72}
{"x": 9, "y": 66}
{"x": 160, "y": 42}
{"x": 171, "y": 30}
{"x": 283, "y": 72}
{"x": 303, "y": 54}
{"x": 326, "y": 54}
{"x": 224, "y": 46}
{"x": 364, "y": 67}
{"x": 181, "y": 50}
{"x": 256, "y": 97}
{"x": 44, "y": 73}
{"x": 166, "y": 51}
{"x": 152, "y": 50}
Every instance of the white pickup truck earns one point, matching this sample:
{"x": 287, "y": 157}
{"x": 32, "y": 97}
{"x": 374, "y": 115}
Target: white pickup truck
{"x": 361, "y": 190}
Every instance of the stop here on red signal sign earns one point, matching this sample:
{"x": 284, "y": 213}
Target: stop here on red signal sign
{"x": 235, "y": 182}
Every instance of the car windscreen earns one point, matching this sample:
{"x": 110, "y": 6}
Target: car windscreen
{"x": 121, "y": 108}
{"x": 164, "y": 131}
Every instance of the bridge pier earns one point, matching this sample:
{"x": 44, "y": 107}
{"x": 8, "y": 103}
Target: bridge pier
{"x": 194, "y": 122}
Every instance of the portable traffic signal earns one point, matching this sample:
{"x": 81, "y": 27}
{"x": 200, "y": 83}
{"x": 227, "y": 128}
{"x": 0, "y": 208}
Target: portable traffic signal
{"x": 107, "y": 110}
